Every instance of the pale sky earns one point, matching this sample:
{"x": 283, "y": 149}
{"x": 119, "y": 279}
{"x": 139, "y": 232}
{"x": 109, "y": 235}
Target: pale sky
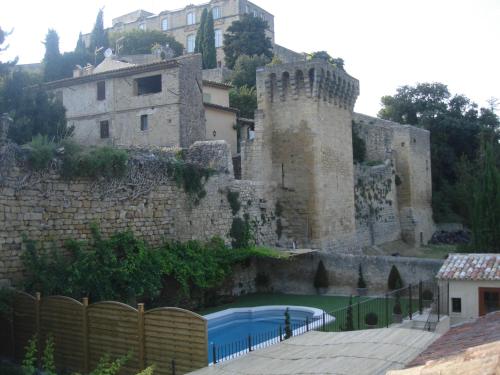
{"x": 385, "y": 43}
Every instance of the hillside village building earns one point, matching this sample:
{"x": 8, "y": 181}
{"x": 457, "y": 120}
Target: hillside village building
{"x": 182, "y": 24}
{"x": 157, "y": 103}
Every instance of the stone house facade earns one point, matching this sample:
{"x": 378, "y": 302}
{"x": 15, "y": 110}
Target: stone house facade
{"x": 183, "y": 23}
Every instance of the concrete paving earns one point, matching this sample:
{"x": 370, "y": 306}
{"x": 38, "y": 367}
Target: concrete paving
{"x": 373, "y": 351}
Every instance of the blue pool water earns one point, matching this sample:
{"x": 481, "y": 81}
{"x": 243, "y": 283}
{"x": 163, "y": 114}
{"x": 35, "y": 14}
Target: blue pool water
{"x": 233, "y": 330}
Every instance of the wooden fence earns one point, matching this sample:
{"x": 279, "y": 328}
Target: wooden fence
{"x": 84, "y": 332}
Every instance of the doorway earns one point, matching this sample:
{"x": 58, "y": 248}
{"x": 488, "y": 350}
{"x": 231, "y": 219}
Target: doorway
{"x": 489, "y": 300}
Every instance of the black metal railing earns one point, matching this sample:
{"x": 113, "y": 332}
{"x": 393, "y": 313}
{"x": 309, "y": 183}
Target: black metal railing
{"x": 230, "y": 350}
{"x": 362, "y": 313}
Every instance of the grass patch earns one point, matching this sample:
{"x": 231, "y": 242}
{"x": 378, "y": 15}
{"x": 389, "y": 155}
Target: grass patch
{"x": 437, "y": 251}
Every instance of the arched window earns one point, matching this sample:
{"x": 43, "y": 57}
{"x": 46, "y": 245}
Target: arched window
{"x": 217, "y": 12}
{"x": 164, "y": 24}
{"x": 190, "y": 41}
{"x": 285, "y": 82}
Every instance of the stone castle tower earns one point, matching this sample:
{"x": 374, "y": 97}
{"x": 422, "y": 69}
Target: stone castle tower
{"x": 303, "y": 150}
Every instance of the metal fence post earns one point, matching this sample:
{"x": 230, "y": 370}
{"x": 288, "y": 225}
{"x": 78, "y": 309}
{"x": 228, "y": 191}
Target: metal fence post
{"x": 439, "y": 303}
{"x": 387, "y": 310}
{"x": 307, "y": 324}
{"x": 324, "y": 325}
{"x": 281, "y": 334}
{"x": 214, "y": 354}
{"x": 358, "y": 314}
{"x": 249, "y": 343}
{"x": 409, "y": 301}
{"x": 420, "y": 297}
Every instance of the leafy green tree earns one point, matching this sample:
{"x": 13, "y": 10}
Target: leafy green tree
{"x": 98, "y": 39}
{"x": 4, "y": 66}
{"x": 244, "y": 99}
{"x": 245, "y": 68}
{"x": 455, "y": 124}
{"x": 142, "y": 41}
{"x": 52, "y": 57}
{"x": 486, "y": 204}
{"x": 246, "y": 36}
{"x": 33, "y": 110}
{"x": 209, "y": 52}
{"x": 323, "y": 55}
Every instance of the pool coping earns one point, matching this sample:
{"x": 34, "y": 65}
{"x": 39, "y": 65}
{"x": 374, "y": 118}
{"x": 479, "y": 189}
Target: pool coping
{"x": 219, "y": 314}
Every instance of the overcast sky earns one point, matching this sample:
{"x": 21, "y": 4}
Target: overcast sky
{"x": 385, "y": 43}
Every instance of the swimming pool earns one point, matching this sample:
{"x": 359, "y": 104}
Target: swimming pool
{"x": 238, "y": 330}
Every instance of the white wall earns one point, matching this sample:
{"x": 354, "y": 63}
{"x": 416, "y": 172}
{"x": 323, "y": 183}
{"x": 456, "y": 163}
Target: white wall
{"x": 468, "y": 291}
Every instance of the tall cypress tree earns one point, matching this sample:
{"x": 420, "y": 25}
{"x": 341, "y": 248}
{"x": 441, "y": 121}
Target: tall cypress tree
{"x": 208, "y": 42}
{"x": 52, "y": 57}
{"x": 486, "y": 205}
{"x": 98, "y": 38}
{"x": 198, "y": 44}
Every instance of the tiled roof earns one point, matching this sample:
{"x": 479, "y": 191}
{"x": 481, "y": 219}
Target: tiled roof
{"x": 471, "y": 267}
{"x": 458, "y": 339}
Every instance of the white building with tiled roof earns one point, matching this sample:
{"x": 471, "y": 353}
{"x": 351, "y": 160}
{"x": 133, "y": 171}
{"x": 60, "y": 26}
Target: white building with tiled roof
{"x": 474, "y": 285}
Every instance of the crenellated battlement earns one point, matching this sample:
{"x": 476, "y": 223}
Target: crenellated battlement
{"x": 316, "y": 79}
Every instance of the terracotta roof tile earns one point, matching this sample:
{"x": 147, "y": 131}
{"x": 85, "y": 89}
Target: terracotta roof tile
{"x": 471, "y": 267}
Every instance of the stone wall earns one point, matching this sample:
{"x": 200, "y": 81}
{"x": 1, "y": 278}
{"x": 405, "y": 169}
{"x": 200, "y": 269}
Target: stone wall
{"x": 296, "y": 274}
{"x": 376, "y": 204}
{"x": 49, "y": 209}
{"x": 303, "y": 148}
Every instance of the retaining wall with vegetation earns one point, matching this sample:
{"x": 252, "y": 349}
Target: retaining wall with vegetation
{"x": 50, "y": 209}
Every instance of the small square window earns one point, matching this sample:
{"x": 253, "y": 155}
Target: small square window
{"x": 144, "y": 122}
{"x": 104, "y": 125}
{"x": 456, "y": 305}
{"x": 101, "y": 90}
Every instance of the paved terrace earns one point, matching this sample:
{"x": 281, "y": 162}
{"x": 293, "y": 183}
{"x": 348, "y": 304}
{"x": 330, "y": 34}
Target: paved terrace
{"x": 373, "y": 351}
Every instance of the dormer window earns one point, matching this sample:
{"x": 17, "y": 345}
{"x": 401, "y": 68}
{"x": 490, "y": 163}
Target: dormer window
{"x": 191, "y": 18}
{"x": 164, "y": 24}
{"x": 142, "y": 26}
{"x": 217, "y": 12}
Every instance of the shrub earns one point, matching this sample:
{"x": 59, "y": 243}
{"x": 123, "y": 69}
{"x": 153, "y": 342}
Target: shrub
{"x": 361, "y": 280}
{"x": 30, "y": 357}
{"x": 371, "y": 319}
{"x": 241, "y": 233}
{"x": 48, "y": 364}
{"x": 394, "y": 281}
{"x": 321, "y": 276}
{"x": 427, "y": 295}
{"x": 233, "y": 199}
{"x": 41, "y": 152}
{"x": 358, "y": 146}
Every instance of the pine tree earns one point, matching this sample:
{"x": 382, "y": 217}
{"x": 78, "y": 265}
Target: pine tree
{"x": 52, "y": 57}
{"x": 98, "y": 38}
{"x": 208, "y": 43}
{"x": 198, "y": 43}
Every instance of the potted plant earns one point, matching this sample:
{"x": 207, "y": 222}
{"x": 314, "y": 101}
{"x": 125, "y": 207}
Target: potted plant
{"x": 371, "y": 320}
{"x": 427, "y": 297}
{"x": 361, "y": 282}
{"x": 321, "y": 282}
{"x": 397, "y": 312}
